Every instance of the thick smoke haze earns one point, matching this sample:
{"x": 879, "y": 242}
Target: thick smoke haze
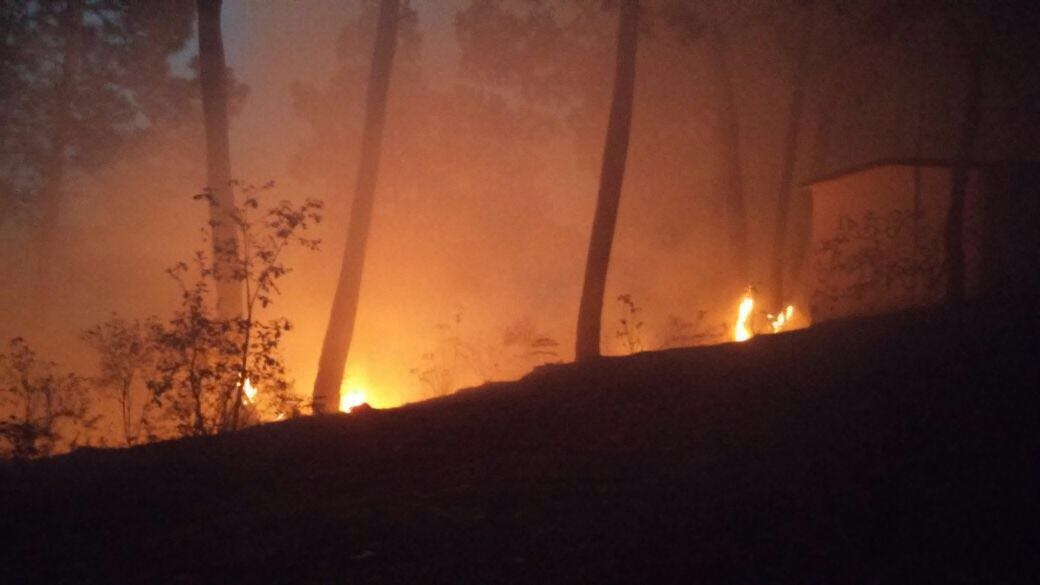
{"x": 487, "y": 185}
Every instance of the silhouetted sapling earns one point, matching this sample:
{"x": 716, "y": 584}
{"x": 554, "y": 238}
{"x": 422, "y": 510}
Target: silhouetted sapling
{"x": 630, "y": 325}
{"x": 126, "y": 357}
{"x": 48, "y": 410}
{"x": 216, "y": 374}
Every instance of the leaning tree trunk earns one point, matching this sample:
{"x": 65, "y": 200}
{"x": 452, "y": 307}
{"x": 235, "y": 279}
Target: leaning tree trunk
{"x": 213, "y": 79}
{"x": 730, "y": 165}
{"x": 54, "y": 174}
{"x": 778, "y": 263}
{"x": 615, "y": 153}
{"x": 956, "y": 289}
{"x": 340, "y": 330}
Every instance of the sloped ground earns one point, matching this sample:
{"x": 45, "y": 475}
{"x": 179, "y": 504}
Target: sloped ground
{"x": 902, "y": 448}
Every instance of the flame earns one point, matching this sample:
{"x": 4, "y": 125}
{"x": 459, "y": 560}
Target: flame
{"x": 777, "y": 322}
{"x": 742, "y": 331}
{"x": 351, "y": 399}
{"x": 248, "y": 392}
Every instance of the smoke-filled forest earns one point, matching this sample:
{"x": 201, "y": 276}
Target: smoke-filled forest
{"x": 489, "y": 163}
{"x": 221, "y": 214}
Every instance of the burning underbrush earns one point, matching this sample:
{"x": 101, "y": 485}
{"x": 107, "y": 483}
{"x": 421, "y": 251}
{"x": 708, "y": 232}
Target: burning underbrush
{"x": 198, "y": 374}
{"x": 200, "y": 371}
{"x": 750, "y": 321}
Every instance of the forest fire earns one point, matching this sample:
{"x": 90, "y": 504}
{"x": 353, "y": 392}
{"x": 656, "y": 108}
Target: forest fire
{"x": 778, "y": 322}
{"x": 248, "y": 392}
{"x": 495, "y": 265}
{"x": 351, "y": 399}
{"x": 745, "y": 328}
{"x": 494, "y": 156}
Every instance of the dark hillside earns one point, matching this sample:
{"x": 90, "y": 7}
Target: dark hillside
{"x": 887, "y": 450}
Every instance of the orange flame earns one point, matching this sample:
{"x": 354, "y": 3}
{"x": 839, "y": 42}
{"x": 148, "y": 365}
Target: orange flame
{"x": 742, "y": 331}
{"x": 777, "y": 322}
{"x": 248, "y": 392}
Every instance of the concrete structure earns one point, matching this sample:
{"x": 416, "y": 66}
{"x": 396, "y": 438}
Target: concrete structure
{"x": 877, "y": 237}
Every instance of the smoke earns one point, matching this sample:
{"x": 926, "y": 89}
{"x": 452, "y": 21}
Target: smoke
{"x": 484, "y": 203}
{"x": 481, "y": 219}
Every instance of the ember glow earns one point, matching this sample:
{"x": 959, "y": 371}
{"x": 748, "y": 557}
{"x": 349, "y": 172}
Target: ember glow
{"x": 743, "y": 331}
{"x": 351, "y": 399}
{"x": 248, "y": 392}
{"x": 777, "y": 322}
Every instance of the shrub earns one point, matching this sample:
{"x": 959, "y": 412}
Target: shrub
{"x": 48, "y": 410}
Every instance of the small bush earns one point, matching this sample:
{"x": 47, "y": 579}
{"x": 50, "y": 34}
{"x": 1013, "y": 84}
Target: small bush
{"x": 48, "y": 409}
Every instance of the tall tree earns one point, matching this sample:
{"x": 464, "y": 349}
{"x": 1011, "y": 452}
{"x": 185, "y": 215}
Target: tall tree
{"x": 71, "y": 31}
{"x": 972, "y": 51}
{"x": 799, "y": 76}
{"x": 615, "y": 154}
{"x": 78, "y": 81}
{"x": 340, "y": 329}
{"x": 809, "y": 33}
{"x": 731, "y": 179}
{"x": 716, "y": 23}
{"x": 213, "y": 78}
{"x": 998, "y": 40}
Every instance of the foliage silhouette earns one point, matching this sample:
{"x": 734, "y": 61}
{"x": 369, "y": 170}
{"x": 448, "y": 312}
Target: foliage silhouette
{"x": 126, "y": 355}
{"x": 203, "y": 360}
{"x": 871, "y": 257}
{"x": 48, "y": 409}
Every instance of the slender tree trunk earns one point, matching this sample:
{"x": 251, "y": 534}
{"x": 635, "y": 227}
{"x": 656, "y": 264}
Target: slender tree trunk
{"x": 824, "y": 134}
{"x": 51, "y": 193}
{"x": 340, "y": 330}
{"x": 126, "y": 410}
{"x": 730, "y": 164}
{"x": 800, "y": 223}
{"x": 213, "y": 79}
{"x": 239, "y": 393}
{"x": 615, "y": 153}
{"x": 956, "y": 289}
{"x": 790, "y": 161}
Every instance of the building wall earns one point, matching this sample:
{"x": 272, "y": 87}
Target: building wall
{"x": 877, "y": 240}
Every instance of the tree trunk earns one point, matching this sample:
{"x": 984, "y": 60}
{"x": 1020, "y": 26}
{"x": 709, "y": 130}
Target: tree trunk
{"x": 956, "y": 290}
{"x": 340, "y": 330}
{"x": 615, "y": 153}
{"x": 802, "y": 208}
{"x": 54, "y": 179}
{"x": 731, "y": 178}
{"x": 790, "y": 161}
{"x": 213, "y": 79}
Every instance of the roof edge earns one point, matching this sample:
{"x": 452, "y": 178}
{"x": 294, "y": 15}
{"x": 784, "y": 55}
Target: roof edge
{"x": 905, "y": 162}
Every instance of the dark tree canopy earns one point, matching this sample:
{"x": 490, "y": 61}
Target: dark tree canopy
{"x": 80, "y": 78}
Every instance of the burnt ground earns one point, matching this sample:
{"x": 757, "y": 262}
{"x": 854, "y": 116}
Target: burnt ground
{"x": 896, "y": 449}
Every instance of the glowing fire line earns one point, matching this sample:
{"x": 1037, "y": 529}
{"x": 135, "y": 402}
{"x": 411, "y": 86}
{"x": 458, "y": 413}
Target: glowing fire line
{"x": 744, "y": 329}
